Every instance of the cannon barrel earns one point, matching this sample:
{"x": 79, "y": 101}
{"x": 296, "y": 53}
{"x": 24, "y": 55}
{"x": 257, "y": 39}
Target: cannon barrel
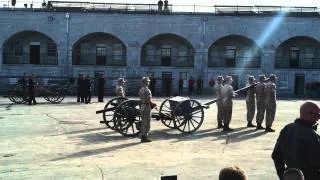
{"x": 106, "y": 110}
{"x": 237, "y": 91}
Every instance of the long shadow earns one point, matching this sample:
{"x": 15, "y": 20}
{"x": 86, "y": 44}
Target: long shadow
{"x": 83, "y": 131}
{"x": 87, "y": 153}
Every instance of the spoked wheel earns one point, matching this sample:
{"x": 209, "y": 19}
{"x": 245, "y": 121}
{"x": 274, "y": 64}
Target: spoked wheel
{"x": 111, "y": 106}
{"x": 165, "y": 114}
{"x": 127, "y": 119}
{"x": 54, "y": 94}
{"x": 188, "y": 116}
{"x": 18, "y": 94}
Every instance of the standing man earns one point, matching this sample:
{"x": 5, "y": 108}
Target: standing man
{"x": 211, "y": 82}
{"x": 217, "y": 90}
{"x": 79, "y": 83}
{"x": 119, "y": 89}
{"x": 260, "y": 98}
{"x": 271, "y": 104}
{"x": 83, "y": 88}
{"x": 153, "y": 84}
{"x": 23, "y": 80}
{"x": 31, "y": 86}
{"x": 166, "y": 5}
{"x": 199, "y": 85}
{"x": 101, "y": 83}
{"x": 146, "y": 103}
{"x": 160, "y": 5}
{"x": 250, "y": 101}
{"x": 298, "y": 145}
{"x": 180, "y": 86}
{"x": 227, "y": 94}
{"x": 191, "y": 85}
{"x": 88, "y": 89}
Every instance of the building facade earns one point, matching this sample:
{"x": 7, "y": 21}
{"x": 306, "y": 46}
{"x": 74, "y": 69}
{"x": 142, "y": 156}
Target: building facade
{"x": 166, "y": 45}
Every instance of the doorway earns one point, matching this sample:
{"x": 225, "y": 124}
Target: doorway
{"x": 299, "y": 84}
{"x": 166, "y": 83}
{"x": 34, "y": 54}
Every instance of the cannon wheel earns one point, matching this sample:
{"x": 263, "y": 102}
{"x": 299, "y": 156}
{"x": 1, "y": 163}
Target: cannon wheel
{"x": 127, "y": 119}
{"x": 188, "y": 116}
{"x": 165, "y": 113}
{"x": 18, "y": 94}
{"x": 54, "y": 94}
{"x": 112, "y": 105}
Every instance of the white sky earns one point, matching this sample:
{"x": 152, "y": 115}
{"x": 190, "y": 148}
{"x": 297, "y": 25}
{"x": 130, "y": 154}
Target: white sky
{"x": 313, "y": 3}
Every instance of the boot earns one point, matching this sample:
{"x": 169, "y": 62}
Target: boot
{"x": 145, "y": 139}
{"x": 250, "y": 124}
{"x": 268, "y": 129}
{"x": 227, "y": 128}
{"x": 259, "y": 126}
{"x": 220, "y": 126}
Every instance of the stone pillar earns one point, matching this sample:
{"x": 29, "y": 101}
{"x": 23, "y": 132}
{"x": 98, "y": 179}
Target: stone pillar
{"x": 133, "y": 60}
{"x": 201, "y": 63}
{"x": 268, "y": 61}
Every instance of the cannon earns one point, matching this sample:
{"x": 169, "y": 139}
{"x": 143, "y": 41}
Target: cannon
{"x": 51, "y": 93}
{"x": 181, "y": 113}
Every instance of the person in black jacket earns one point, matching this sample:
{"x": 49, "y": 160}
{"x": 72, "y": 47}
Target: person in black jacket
{"x": 79, "y": 79}
{"x": 87, "y": 89}
{"x": 101, "y": 83}
{"x": 31, "y": 85}
{"x": 298, "y": 145}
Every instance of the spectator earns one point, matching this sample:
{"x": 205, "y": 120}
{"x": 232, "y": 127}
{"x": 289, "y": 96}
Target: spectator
{"x": 293, "y": 174}
{"x": 160, "y": 5}
{"x": 211, "y": 82}
{"x": 180, "y": 86}
{"x": 191, "y": 85}
{"x": 199, "y": 85}
{"x": 232, "y": 173}
{"x": 298, "y": 145}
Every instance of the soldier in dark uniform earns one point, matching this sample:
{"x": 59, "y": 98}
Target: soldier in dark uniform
{"x": 199, "y": 85}
{"x": 31, "y": 85}
{"x": 101, "y": 83}
{"x": 87, "y": 89}
{"x": 82, "y": 86}
{"x": 167, "y": 82}
{"x": 79, "y": 79}
{"x": 180, "y": 86}
{"x": 23, "y": 80}
{"x": 153, "y": 85}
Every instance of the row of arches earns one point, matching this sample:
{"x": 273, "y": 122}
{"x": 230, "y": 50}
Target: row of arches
{"x": 102, "y": 49}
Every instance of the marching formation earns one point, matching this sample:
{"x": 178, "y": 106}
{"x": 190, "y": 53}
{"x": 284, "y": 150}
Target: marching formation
{"x": 260, "y": 95}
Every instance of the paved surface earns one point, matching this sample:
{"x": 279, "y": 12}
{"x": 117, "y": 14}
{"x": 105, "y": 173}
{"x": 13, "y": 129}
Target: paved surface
{"x": 66, "y": 141}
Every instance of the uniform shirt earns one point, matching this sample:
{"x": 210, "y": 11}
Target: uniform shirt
{"x": 227, "y": 95}
{"x": 270, "y": 93}
{"x": 260, "y": 94}
{"x": 298, "y": 146}
{"x": 250, "y": 93}
{"x": 217, "y": 90}
{"x": 120, "y": 91}
{"x": 145, "y": 95}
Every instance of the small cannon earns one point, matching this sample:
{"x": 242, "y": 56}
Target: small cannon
{"x": 181, "y": 113}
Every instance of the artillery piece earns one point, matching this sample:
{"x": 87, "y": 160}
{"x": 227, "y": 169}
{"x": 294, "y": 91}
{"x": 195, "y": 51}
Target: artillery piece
{"x": 181, "y": 113}
{"x": 51, "y": 93}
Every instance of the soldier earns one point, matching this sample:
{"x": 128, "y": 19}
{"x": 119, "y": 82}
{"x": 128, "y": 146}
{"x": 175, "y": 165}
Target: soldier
{"x": 199, "y": 85}
{"x": 191, "y": 85}
{"x": 227, "y": 94}
{"x": 160, "y": 5}
{"x": 250, "y": 101}
{"x": 88, "y": 86}
{"x": 146, "y": 103}
{"x": 23, "y": 80}
{"x": 217, "y": 90}
{"x": 32, "y": 84}
{"x": 180, "y": 86}
{"x": 260, "y": 98}
{"x": 119, "y": 88}
{"x": 101, "y": 83}
{"x": 270, "y": 94}
{"x": 79, "y": 79}
{"x": 82, "y": 87}
{"x": 153, "y": 85}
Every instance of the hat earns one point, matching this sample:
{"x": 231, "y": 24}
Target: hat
{"x": 219, "y": 78}
{"x": 145, "y": 79}
{"x": 121, "y": 80}
{"x": 228, "y": 78}
{"x": 273, "y": 76}
{"x": 262, "y": 77}
{"x": 251, "y": 78}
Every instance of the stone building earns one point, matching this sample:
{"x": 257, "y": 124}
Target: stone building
{"x": 66, "y": 42}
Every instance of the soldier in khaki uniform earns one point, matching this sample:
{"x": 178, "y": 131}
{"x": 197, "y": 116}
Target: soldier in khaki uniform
{"x": 250, "y": 101}
{"x": 270, "y": 93}
{"x": 227, "y": 94}
{"x": 217, "y": 90}
{"x": 260, "y": 98}
{"x": 146, "y": 103}
{"x": 119, "y": 88}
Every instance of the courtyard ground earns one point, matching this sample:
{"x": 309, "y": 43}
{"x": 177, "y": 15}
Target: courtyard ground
{"x": 66, "y": 141}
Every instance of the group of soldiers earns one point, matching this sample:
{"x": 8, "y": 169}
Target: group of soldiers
{"x": 261, "y": 94}
{"x": 85, "y": 87}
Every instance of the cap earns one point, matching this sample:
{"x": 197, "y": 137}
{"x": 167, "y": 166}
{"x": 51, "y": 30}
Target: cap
{"x": 121, "y": 80}
{"x": 145, "y": 79}
{"x": 219, "y": 78}
{"x": 228, "y": 78}
{"x": 251, "y": 78}
{"x": 262, "y": 77}
{"x": 273, "y": 76}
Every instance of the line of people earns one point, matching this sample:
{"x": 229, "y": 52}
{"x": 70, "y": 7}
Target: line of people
{"x": 84, "y": 87}
{"x": 261, "y": 94}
